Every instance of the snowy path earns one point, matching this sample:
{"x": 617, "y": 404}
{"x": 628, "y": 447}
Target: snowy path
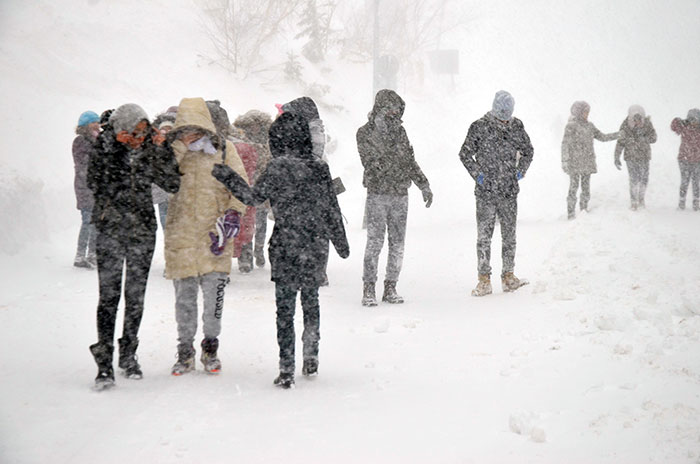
{"x": 598, "y": 360}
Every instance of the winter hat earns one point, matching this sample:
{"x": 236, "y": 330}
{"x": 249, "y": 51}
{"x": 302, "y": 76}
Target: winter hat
{"x": 503, "y": 105}
{"x": 580, "y": 110}
{"x": 88, "y": 117}
{"x": 126, "y": 117}
{"x": 634, "y": 110}
{"x": 219, "y": 117}
{"x": 694, "y": 115}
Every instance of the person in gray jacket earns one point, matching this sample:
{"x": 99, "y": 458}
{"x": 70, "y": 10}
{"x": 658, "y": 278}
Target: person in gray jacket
{"x": 497, "y": 153}
{"x": 389, "y": 169}
{"x": 635, "y": 139}
{"x": 578, "y": 156}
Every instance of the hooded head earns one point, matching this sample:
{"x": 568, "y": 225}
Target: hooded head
{"x": 127, "y": 117}
{"x": 580, "y": 110}
{"x": 290, "y": 136}
{"x": 219, "y": 117}
{"x": 694, "y": 115}
{"x": 635, "y": 116}
{"x": 193, "y": 114}
{"x": 303, "y": 106}
{"x": 387, "y": 104}
{"x": 503, "y": 106}
{"x": 255, "y": 124}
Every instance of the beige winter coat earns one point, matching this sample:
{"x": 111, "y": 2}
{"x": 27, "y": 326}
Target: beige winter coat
{"x": 193, "y": 210}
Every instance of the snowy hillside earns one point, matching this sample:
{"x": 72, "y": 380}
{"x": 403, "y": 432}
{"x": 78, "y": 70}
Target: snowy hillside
{"x": 598, "y": 360}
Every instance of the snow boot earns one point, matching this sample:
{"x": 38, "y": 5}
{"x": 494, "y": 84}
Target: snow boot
{"x": 102, "y": 353}
{"x": 696, "y": 204}
{"x": 284, "y": 380}
{"x": 369, "y": 298}
{"x": 128, "y": 361}
{"x": 259, "y": 255}
{"x": 310, "y": 367}
{"x": 245, "y": 260}
{"x": 484, "y": 286}
{"x": 185, "y": 360}
{"x": 510, "y": 283}
{"x": 681, "y": 204}
{"x": 209, "y": 359}
{"x": 390, "y": 295}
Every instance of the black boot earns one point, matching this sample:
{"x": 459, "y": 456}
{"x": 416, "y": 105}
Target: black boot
{"x": 209, "y": 358}
{"x": 310, "y": 367}
{"x": 245, "y": 261}
{"x": 259, "y": 256}
{"x": 185, "y": 360}
{"x": 390, "y": 295}
{"x": 284, "y": 380}
{"x": 369, "y": 297}
{"x": 102, "y": 353}
{"x": 128, "y": 361}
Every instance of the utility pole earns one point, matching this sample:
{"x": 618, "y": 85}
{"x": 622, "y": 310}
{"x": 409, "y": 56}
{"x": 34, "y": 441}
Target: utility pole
{"x": 375, "y": 51}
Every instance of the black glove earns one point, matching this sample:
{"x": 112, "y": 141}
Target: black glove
{"x": 427, "y": 196}
{"x": 221, "y": 172}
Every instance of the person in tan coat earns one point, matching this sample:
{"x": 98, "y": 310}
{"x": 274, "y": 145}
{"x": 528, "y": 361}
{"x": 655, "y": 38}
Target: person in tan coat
{"x": 203, "y": 220}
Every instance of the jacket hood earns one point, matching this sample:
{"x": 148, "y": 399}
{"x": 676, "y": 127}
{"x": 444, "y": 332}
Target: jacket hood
{"x": 290, "y": 136}
{"x": 503, "y": 105}
{"x": 256, "y": 125}
{"x": 193, "y": 113}
{"x": 694, "y": 115}
{"x": 303, "y": 106}
{"x": 387, "y": 101}
{"x": 580, "y": 110}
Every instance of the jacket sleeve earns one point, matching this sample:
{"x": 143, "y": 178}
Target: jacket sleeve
{"x": 470, "y": 148}
{"x": 414, "y": 171}
{"x": 621, "y": 142}
{"x": 248, "y": 195}
{"x": 678, "y": 126}
{"x": 525, "y": 149}
{"x": 333, "y": 217}
{"x": 565, "y": 144}
{"x": 650, "y": 132}
{"x": 368, "y": 157}
{"x": 234, "y": 161}
{"x": 598, "y": 135}
{"x": 96, "y": 172}
{"x": 166, "y": 173}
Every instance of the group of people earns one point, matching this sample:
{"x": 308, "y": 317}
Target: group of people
{"x": 634, "y": 139}
{"x": 220, "y": 181}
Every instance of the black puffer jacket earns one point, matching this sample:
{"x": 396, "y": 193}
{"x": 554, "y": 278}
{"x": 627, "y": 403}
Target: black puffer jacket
{"x": 386, "y": 154}
{"x": 499, "y": 151}
{"x": 120, "y": 179}
{"x": 300, "y": 190}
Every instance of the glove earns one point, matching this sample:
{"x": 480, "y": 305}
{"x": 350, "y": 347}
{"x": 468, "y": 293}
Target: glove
{"x": 427, "y": 196}
{"x": 227, "y": 226}
{"x": 519, "y": 175}
{"x": 480, "y": 179}
{"x": 221, "y": 172}
{"x": 618, "y": 164}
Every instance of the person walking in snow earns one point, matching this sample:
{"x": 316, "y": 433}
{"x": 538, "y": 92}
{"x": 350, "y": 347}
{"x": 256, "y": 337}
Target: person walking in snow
{"x": 127, "y": 161}
{"x": 635, "y": 138}
{"x": 389, "y": 169}
{"x": 256, "y": 125}
{"x": 203, "y": 219}
{"x": 497, "y": 153}
{"x": 299, "y": 188}
{"x": 689, "y": 155}
{"x": 578, "y": 156}
{"x": 83, "y": 149}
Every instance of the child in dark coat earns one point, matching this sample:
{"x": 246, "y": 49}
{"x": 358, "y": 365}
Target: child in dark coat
{"x": 307, "y": 216}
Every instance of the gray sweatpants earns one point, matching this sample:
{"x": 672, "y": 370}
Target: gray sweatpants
{"x": 186, "y": 291}
{"x": 487, "y": 210}
{"x": 385, "y": 213}
{"x": 639, "y": 177}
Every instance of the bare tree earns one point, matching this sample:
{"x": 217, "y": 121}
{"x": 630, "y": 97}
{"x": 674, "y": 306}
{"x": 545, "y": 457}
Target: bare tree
{"x": 241, "y": 30}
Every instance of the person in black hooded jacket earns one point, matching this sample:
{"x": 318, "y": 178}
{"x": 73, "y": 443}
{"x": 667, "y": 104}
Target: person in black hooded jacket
{"x": 128, "y": 160}
{"x": 390, "y": 169}
{"x": 307, "y": 215}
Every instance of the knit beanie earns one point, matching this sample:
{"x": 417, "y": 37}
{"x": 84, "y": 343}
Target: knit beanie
{"x": 503, "y": 105}
{"x": 127, "y": 117}
{"x": 88, "y": 117}
{"x": 694, "y": 115}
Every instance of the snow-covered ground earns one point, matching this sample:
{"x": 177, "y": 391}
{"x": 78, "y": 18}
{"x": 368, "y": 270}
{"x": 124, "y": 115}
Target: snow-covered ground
{"x": 597, "y": 360}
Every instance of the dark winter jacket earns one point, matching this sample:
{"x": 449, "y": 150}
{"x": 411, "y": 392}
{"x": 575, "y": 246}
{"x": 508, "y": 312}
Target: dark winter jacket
{"x": 306, "y": 210}
{"x": 386, "y": 154}
{"x": 635, "y": 142}
{"x": 83, "y": 150}
{"x": 690, "y": 139}
{"x": 499, "y": 151}
{"x": 120, "y": 178}
{"x": 577, "y": 154}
